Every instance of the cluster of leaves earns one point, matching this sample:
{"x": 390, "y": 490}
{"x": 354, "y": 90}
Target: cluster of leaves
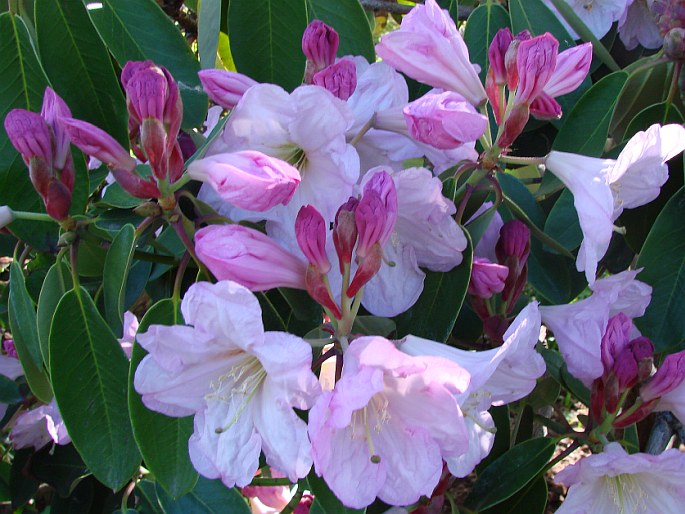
{"x": 67, "y": 338}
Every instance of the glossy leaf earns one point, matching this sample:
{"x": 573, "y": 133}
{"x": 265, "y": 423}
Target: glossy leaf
{"x": 57, "y": 282}
{"x": 663, "y": 260}
{"x": 78, "y": 64}
{"x": 536, "y": 17}
{"x": 60, "y": 466}
{"x": 89, "y": 375}
{"x": 22, "y": 318}
{"x": 562, "y": 222}
{"x": 208, "y": 25}
{"x": 532, "y": 499}
{"x": 135, "y": 30}
{"x": 348, "y": 18}
{"x": 208, "y": 497}
{"x": 162, "y": 440}
{"x": 481, "y": 27}
{"x": 434, "y": 313}
{"x": 266, "y": 39}
{"x": 510, "y": 473}
{"x": 115, "y": 274}
{"x": 661, "y": 113}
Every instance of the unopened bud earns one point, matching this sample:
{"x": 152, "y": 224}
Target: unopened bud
{"x": 8, "y": 346}
{"x": 367, "y": 269}
{"x": 510, "y": 59}
{"x": 536, "y": 61}
{"x": 339, "y": 78}
{"x": 97, "y": 143}
{"x": 310, "y": 231}
{"x": 674, "y": 44}
{"x": 514, "y": 125}
{"x": 57, "y": 200}
{"x": 643, "y": 351}
{"x": 615, "y": 339}
{"x": 668, "y": 376}
{"x": 497, "y": 52}
{"x": 487, "y": 278}
{"x": 626, "y": 370}
{"x": 225, "y": 88}
{"x": 54, "y": 108}
{"x": 317, "y": 289}
{"x": 320, "y": 44}
{"x": 146, "y": 93}
{"x": 345, "y": 232}
{"x": 29, "y": 134}
{"x": 514, "y": 240}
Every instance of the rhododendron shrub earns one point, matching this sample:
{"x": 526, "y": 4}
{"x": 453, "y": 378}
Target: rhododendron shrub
{"x": 338, "y": 256}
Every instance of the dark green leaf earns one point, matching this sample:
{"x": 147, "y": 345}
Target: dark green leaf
{"x": 145, "y": 491}
{"x": 9, "y": 391}
{"x": 266, "y": 39}
{"x": 510, "y": 473}
{"x": 208, "y": 26}
{"x": 481, "y": 27}
{"x": 373, "y": 325}
{"x": 135, "y": 30}
{"x": 57, "y": 282}
{"x": 302, "y": 312}
{"x": 115, "y": 196}
{"x": 325, "y": 499}
{"x": 162, "y": 440}
{"x": 535, "y": 16}
{"x": 546, "y": 392}
{"x": 60, "y": 466}
{"x": 663, "y": 260}
{"x": 22, "y": 485}
{"x": 79, "y": 502}
{"x": 90, "y": 260}
{"x": 574, "y": 385}
{"x": 23, "y": 324}
{"x": 349, "y": 19}
{"x": 89, "y": 375}
{"x": 434, "y": 313}
{"x": 208, "y": 497}
{"x": 661, "y": 113}
{"x": 115, "y": 273}
{"x": 532, "y": 499}
{"x": 562, "y": 222}
{"x": 79, "y": 67}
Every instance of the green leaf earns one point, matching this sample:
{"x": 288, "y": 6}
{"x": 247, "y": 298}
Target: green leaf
{"x": 208, "y": 497}
{"x": 481, "y": 27}
{"x": 162, "y": 440}
{"x": 663, "y": 260}
{"x": 661, "y": 113}
{"x": 266, "y": 39}
{"x": 89, "y": 376}
{"x": 536, "y": 17}
{"x": 79, "y": 67}
{"x": 115, "y": 196}
{"x": 60, "y": 466}
{"x": 325, "y": 500}
{"x": 510, "y": 472}
{"x": 9, "y": 391}
{"x": 22, "y": 318}
{"x": 348, "y": 18}
{"x": 208, "y": 26}
{"x": 562, "y": 222}
{"x": 532, "y": 499}
{"x": 135, "y": 30}
{"x": 56, "y": 283}
{"x": 22, "y": 86}
{"x": 373, "y": 325}
{"x": 115, "y": 273}
{"x": 434, "y": 313}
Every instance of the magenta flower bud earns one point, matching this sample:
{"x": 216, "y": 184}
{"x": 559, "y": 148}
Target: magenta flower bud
{"x": 668, "y": 376}
{"x": 514, "y": 240}
{"x": 248, "y": 179}
{"x": 382, "y": 184}
{"x": 445, "y": 121}
{"x": 339, "y": 78}
{"x": 9, "y": 349}
{"x": 30, "y": 135}
{"x": 173, "y": 107}
{"x": 320, "y": 44}
{"x": 514, "y": 125}
{"x": 310, "y": 231}
{"x": 544, "y": 107}
{"x": 510, "y": 59}
{"x": 146, "y": 93}
{"x": 615, "y": 339}
{"x": 54, "y": 108}
{"x": 370, "y": 216}
{"x": 572, "y": 66}
{"x": 626, "y": 369}
{"x": 135, "y": 185}
{"x": 487, "y": 278}
{"x": 319, "y": 291}
{"x": 497, "y": 53}
{"x": 249, "y": 257}
{"x": 225, "y": 88}
{"x": 57, "y": 200}
{"x": 153, "y": 139}
{"x": 643, "y": 351}
{"x": 97, "y": 143}
{"x": 345, "y": 232}
{"x": 367, "y": 269}
{"x": 178, "y": 157}
{"x": 536, "y": 60}
{"x": 133, "y": 67}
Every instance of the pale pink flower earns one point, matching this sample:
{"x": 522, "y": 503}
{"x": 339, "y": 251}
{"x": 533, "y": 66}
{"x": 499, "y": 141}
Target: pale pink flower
{"x": 668, "y": 384}
{"x": 429, "y": 48}
{"x": 637, "y": 26}
{"x": 597, "y": 15}
{"x": 129, "y": 336}
{"x": 616, "y": 482}
{"x": 240, "y": 382}
{"x": 6, "y": 216}
{"x": 385, "y": 428}
{"x": 37, "y": 427}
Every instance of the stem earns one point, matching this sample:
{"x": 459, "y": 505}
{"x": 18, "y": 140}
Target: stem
{"x": 143, "y": 225}
{"x": 568, "y": 451}
{"x": 269, "y": 482}
{"x": 127, "y": 492}
{"x": 295, "y": 501}
{"x": 674, "y": 87}
{"x": 185, "y": 178}
{"x": 367, "y": 126}
{"x": 517, "y": 425}
{"x": 464, "y": 200}
{"x": 179, "y": 227}
{"x": 33, "y": 216}
{"x": 323, "y": 358}
{"x": 176, "y": 297}
{"x": 486, "y": 138}
{"x": 511, "y": 159}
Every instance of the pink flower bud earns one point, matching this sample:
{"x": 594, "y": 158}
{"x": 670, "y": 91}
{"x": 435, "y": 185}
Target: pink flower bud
{"x": 376, "y": 213}
{"x": 319, "y": 291}
{"x": 615, "y": 339}
{"x": 382, "y": 184}
{"x": 626, "y": 369}
{"x": 6, "y": 216}
{"x": 544, "y": 107}
{"x": 146, "y": 93}
{"x": 670, "y": 375}
{"x": 57, "y": 200}
{"x": 54, "y": 108}
{"x": 514, "y": 240}
{"x": 643, "y": 350}
{"x": 339, "y": 78}
{"x": 367, "y": 269}
{"x": 97, "y": 143}
{"x": 133, "y": 67}
{"x": 497, "y": 53}
{"x": 510, "y": 59}
{"x": 310, "y": 231}
{"x": 536, "y": 60}
{"x": 514, "y": 125}
{"x": 153, "y": 139}
{"x": 248, "y": 179}
{"x": 246, "y": 256}
{"x": 173, "y": 107}
{"x": 30, "y": 135}
{"x": 572, "y": 66}
{"x": 345, "y": 232}
{"x": 444, "y": 121}
{"x": 487, "y": 278}
{"x": 320, "y": 44}
{"x": 225, "y": 88}
{"x": 135, "y": 185}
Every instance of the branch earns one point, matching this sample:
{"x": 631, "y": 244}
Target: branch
{"x": 392, "y": 7}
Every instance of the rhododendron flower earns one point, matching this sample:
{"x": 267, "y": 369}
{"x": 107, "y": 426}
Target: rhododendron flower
{"x": 385, "y": 428}
{"x": 498, "y": 376}
{"x": 129, "y": 333}
{"x": 597, "y": 15}
{"x": 637, "y": 26}
{"x": 615, "y": 482}
{"x": 224, "y": 87}
{"x": 240, "y": 382}
{"x": 37, "y": 427}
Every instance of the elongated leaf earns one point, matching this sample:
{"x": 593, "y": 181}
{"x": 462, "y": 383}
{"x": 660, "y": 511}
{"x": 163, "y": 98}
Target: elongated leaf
{"x": 434, "y": 313}
{"x": 79, "y": 67}
{"x": 208, "y": 497}
{"x": 117, "y": 265}
{"x": 208, "y": 26}
{"x": 56, "y": 283}
{"x": 532, "y": 499}
{"x": 562, "y": 222}
{"x": 661, "y": 113}
{"x": 60, "y": 466}
{"x": 536, "y": 17}
{"x": 135, "y": 30}
{"x": 663, "y": 260}
{"x": 587, "y": 125}
{"x": 89, "y": 375}
{"x": 481, "y": 27}
{"x": 349, "y": 19}
{"x": 510, "y": 472}
{"x": 23, "y": 324}
{"x": 22, "y": 82}
{"x": 162, "y": 440}
{"x": 266, "y": 39}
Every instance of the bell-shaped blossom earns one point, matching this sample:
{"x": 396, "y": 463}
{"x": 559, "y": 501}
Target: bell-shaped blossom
{"x": 445, "y": 120}
{"x": 249, "y": 257}
{"x": 240, "y": 382}
{"x": 597, "y": 15}
{"x": 579, "y": 327}
{"x": 616, "y": 482}
{"x": 638, "y": 27}
{"x": 429, "y": 48}
{"x": 498, "y": 376}
{"x": 487, "y": 278}
{"x": 224, "y": 87}
{"x": 38, "y": 427}
{"x": 248, "y": 179}
{"x": 339, "y": 78}
{"x": 386, "y": 427}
